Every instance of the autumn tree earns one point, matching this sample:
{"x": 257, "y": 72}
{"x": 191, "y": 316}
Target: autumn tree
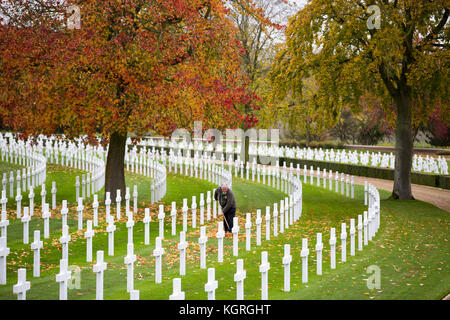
{"x": 133, "y": 66}
{"x": 395, "y": 49}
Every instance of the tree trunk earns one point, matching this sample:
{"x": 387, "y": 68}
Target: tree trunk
{"x": 403, "y": 146}
{"x": 115, "y": 176}
{"x": 308, "y": 137}
{"x": 246, "y": 153}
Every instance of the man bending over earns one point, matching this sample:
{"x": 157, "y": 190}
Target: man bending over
{"x": 228, "y": 204}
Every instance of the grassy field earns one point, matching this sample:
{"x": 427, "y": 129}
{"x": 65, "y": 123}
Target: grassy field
{"x": 411, "y": 248}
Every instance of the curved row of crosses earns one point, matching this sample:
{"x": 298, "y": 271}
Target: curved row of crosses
{"x": 209, "y": 169}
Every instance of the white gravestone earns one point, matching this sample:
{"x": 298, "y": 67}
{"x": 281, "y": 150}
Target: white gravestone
{"x": 258, "y": 223}
{"x": 185, "y": 210}
{"x": 173, "y": 214}
{"x": 282, "y": 216}
{"x": 211, "y": 285}
{"x": 365, "y": 223}
{"x": 177, "y": 293}
{"x": 182, "y": 246}
{"x": 343, "y": 242}
{"x": 161, "y": 216}
{"x": 80, "y": 208}
{"x": 135, "y": 199}
{"x": 22, "y": 285}
{"x": 36, "y": 247}
{"x": 95, "y": 209}
{"x": 19, "y": 200}
{"x": 267, "y": 218}
{"x": 64, "y": 212}
{"x": 202, "y": 242}
{"x": 129, "y": 261}
{"x": 46, "y": 216}
{"x": 99, "y": 268}
{"x": 239, "y": 278}
{"x": 146, "y": 221}
{"x": 333, "y": 248}
{"x": 360, "y": 233}
{"x": 110, "y": 230}
{"x": 158, "y": 253}
{"x": 264, "y": 268}
{"x": 208, "y": 205}
{"x": 275, "y": 219}
{"x": 202, "y": 209}
{"x": 248, "y": 232}
{"x": 108, "y": 205}
{"x": 4, "y": 252}
{"x": 64, "y": 240}
{"x": 287, "y": 259}
{"x": 304, "y": 254}
{"x": 26, "y": 225}
{"x": 134, "y": 295}
{"x": 220, "y": 235}
{"x": 319, "y": 248}
{"x": 235, "y": 231}
{"x": 130, "y": 226}
{"x": 127, "y": 201}
{"x": 352, "y": 237}
{"x": 89, "y": 234}
{"x": 63, "y": 278}
{"x": 31, "y": 201}
{"x": 53, "y": 191}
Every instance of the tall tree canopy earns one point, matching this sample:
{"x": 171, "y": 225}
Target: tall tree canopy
{"x": 404, "y": 60}
{"x": 133, "y": 65}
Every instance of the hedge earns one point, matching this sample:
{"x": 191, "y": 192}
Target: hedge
{"x": 372, "y": 172}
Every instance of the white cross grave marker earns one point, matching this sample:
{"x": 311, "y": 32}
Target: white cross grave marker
{"x": 264, "y": 270}
{"x": 211, "y": 285}
{"x": 239, "y": 278}
{"x": 89, "y": 234}
{"x": 36, "y": 247}
{"x": 22, "y": 285}
{"x": 99, "y": 268}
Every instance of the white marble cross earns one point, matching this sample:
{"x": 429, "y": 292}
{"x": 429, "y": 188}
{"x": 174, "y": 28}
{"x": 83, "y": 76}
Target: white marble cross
{"x": 4, "y": 252}
{"x": 333, "y": 248}
{"x": 99, "y": 268}
{"x": 258, "y": 223}
{"x": 64, "y": 240}
{"x": 185, "y": 210}
{"x": 89, "y": 234}
{"x": 161, "y": 216}
{"x": 64, "y": 212}
{"x": 177, "y": 293}
{"x": 208, "y": 205}
{"x": 108, "y": 205}
{"x": 22, "y": 285}
{"x": 130, "y": 225}
{"x": 158, "y": 253}
{"x": 26, "y": 225}
{"x": 129, "y": 260}
{"x": 135, "y": 199}
{"x": 63, "y": 278}
{"x": 287, "y": 259}
{"x": 127, "y": 201}
{"x": 43, "y": 193}
{"x": 282, "y": 216}
{"x": 80, "y": 209}
{"x": 173, "y": 214}
{"x": 36, "y": 247}
{"x": 239, "y": 278}
{"x": 343, "y": 242}
{"x": 366, "y": 234}
{"x": 220, "y": 235}
{"x": 319, "y": 248}
{"x": 248, "y": 232}
{"x": 110, "y": 229}
{"x": 53, "y": 191}
{"x": 202, "y": 242}
{"x": 18, "y": 200}
{"x": 211, "y": 285}
{"x": 360, "y": 233}
{"x": 352, "y": 237}
{"x": 95, "y": 208}
{"x": 267, "y": 218}
{"x": 264, "y": 270}
{"x": 31, "y": 201}
{"x": 202, "y": 209}
{"x": 146, "y": 221}
{"x": 134, "y": 295}
{"x": 235, "y": 231}
{"x": 182, "y": 246}
{"x": 46, "y": 216}
{"x": 304, "y": 254}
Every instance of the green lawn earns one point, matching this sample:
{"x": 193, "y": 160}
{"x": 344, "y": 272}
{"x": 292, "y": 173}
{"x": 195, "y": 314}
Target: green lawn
{"x": 411, "y": 248}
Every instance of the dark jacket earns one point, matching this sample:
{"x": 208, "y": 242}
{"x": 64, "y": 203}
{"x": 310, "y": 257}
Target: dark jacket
{"x": 226, "y": 200}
